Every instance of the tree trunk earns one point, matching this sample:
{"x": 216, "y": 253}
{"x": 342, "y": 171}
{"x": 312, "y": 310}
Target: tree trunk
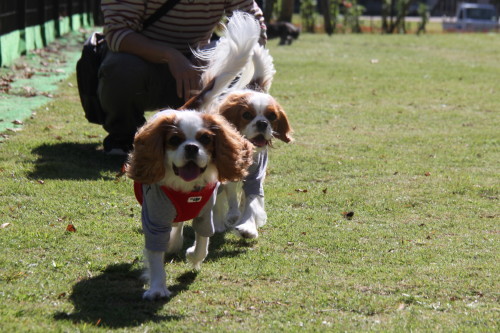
{"x": 286, "y": 11}
{"x": 268, "y": 10}
{"x": 327, "y": 16}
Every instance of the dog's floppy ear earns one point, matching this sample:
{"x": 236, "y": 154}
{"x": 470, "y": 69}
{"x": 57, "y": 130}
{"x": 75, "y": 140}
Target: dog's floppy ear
{"x": 281, "y": 127}
{"x": 146, "y": 163}
{"x": 233, "y": 153}
{"x": 232, "y": 107}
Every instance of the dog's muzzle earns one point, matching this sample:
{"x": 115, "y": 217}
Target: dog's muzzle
{"x": 259, "y": 141}
{"x": 189, "y": 171}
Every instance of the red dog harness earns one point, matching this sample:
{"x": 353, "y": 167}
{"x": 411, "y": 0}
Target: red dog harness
{"x": 187, "y": 205}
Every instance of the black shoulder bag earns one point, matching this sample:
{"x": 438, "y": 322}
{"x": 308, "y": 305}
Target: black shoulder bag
{"x": 87, "y": 68}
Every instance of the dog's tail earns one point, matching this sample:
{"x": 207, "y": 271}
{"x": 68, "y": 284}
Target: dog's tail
{"x": 263, "y": 70}
{"x": 258, "y": 74}
{"x": 227, "y": 60}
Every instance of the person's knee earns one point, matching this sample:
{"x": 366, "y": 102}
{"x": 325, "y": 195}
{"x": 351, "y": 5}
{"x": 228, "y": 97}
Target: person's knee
{"x": 123, "y": 69}
{"x": 122, "y": 79}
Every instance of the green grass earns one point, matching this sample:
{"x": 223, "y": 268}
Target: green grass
{"x": 401, "y": 130}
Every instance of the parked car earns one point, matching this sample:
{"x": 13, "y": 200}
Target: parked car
{"x": 473, "y": 17}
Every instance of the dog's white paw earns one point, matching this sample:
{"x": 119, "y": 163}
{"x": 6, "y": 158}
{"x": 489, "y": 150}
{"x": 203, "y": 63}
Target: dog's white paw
{"x": 247, "y": 230}
{"x": 155, "y": 293}
{"x": 194, "y": 258}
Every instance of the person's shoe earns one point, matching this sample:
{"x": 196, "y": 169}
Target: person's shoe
{"x": 116, "y": 152}
{"x": 115, "y": 147}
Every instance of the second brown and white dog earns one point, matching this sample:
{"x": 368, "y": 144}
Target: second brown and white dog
{"x": 248, "y": 105}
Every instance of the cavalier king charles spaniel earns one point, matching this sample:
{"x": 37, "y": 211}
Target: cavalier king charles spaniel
{"x": 247, "y": 104}
{"x": 180, "y": 158}
{"x": 260, "y": 119}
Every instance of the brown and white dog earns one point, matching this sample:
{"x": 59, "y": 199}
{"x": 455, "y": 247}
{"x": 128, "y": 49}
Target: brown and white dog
{"x": 260, "y": 119}
{"x": 178, "y": 161}
{"x": 248, "y": 105}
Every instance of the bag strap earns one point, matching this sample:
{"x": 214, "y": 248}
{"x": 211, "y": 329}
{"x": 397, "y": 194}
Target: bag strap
{"x": 159, "y": 13}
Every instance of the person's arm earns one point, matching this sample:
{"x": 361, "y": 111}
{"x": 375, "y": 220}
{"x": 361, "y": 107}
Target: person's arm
{"x": 185, "y": 74}
{"x": 250, "y": 7}
{"x": 122, "y": 21}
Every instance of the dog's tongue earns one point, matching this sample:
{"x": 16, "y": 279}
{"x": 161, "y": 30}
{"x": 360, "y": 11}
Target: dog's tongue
{"x": 189, "y": 172}
{"x": 259, "y": 141}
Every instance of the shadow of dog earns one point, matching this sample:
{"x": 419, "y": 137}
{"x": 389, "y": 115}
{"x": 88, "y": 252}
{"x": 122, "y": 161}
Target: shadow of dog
{"x": 220, "y": 246}
{"x": 113, "y": 299}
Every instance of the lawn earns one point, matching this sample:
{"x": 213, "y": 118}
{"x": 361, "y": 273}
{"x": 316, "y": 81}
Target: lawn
{"x": 382, "y": 216}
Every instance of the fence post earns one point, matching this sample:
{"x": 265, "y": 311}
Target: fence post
{"x": 85, "y": 13}
{"x": 96, "y": 10}
{"x": 21, "y": 25}
{"x": 41, "y": 20}
{"x": 55, "y": 13}
{"x": 70, "y": 14}
{"x": 21, "y": 14}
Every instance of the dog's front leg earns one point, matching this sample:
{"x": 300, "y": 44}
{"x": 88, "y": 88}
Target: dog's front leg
{"x": 198, "y": 252}
{"x": 220, "y": 210}
{"x": 157, "y": 276}
{"x": 176, "y": 240}
{"x": 233, "y": 212}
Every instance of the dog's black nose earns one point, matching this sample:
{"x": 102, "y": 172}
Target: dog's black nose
{"x": 191, "y": 151}
{"x": 261, "y": 125}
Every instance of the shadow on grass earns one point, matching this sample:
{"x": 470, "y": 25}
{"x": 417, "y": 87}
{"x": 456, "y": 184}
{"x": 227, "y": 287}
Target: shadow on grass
{"x": 114, "y": 299}
{"x": 72, "y": 160}
{"x": 216, "y": 248}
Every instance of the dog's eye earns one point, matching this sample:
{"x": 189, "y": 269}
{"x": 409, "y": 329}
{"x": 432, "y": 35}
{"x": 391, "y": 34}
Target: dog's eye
{"x": 271, "y": 116}
{"x": 205, "y": 139}
{"x": 247, "y": 115}
{"x": 175, "y": 140}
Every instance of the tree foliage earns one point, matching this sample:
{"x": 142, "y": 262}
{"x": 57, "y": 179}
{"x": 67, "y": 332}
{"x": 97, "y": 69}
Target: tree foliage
{"x": 286, "y": 11}
{"x": 308, "y": 15}
{"x": 343, "y": 13}
{"x": 393, "y": 15}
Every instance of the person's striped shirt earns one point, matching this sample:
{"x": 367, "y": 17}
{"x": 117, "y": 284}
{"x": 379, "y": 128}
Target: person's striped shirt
{"x": 188, "y": 25}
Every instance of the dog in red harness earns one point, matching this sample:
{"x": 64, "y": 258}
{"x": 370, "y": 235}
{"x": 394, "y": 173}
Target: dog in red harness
{"x": 178, "y": 160}
{"x": 180, "y": 157}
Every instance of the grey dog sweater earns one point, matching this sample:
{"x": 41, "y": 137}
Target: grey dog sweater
{"x": 158, "y": 211}
{"x": 158, "y": 215}
{"x": 253, "y": 184}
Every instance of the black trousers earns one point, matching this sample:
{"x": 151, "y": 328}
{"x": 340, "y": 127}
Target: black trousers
{"x": 129, "y": 86}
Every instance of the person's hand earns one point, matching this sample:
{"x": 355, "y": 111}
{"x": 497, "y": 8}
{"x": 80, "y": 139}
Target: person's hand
{"x": 186, "y": 75}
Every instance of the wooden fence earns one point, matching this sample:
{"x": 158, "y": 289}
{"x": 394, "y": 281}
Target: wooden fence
{"x": 31, "y": 24}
